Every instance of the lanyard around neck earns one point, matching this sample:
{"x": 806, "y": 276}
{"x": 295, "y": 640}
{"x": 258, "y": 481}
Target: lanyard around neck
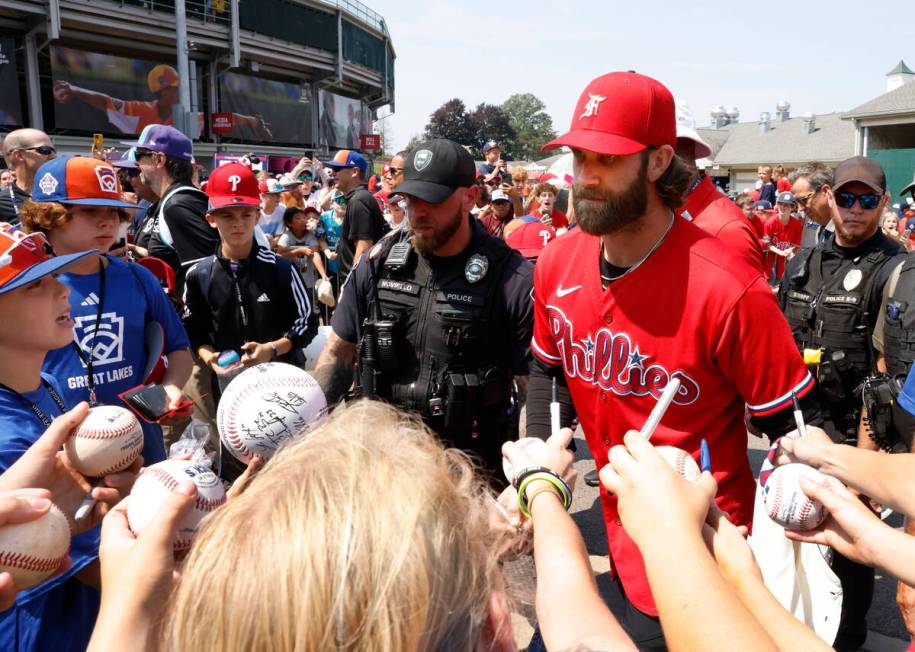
{"x": 89, "y": 360}
{"x": 45, "y": 420}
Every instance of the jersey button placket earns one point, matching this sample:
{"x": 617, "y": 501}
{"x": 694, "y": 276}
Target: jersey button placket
{"x": 608, "y": 318}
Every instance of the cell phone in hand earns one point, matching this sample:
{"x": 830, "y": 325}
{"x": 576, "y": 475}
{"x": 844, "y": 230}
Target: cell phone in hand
{"x": 98, "y": 140}
{"x": 150, "y": 402}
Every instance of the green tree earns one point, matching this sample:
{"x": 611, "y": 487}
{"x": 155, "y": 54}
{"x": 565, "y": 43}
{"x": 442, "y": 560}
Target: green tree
{"x": 451, "y": 121}
{"x": 489, "y": 122}
{"x": 415, "y": 140}
{"x": 532, "y": 125}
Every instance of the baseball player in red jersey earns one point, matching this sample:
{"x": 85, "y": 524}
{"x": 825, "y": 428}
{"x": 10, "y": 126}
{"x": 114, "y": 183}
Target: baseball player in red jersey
{"x": 635, "y": 297}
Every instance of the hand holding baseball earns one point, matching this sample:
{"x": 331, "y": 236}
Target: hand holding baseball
{"x": 850, "y": 526}
{"x": 653, "y": 498}
{"x": 809, "y": 450}
{"x": 22, "y": 506}
{"x": 45, "y": 466}
{"x": 138, "y": 572}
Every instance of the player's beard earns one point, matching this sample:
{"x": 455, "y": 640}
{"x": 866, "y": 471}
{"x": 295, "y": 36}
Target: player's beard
{"x": 618, "y": 210}
{"x": 441, "y": 234}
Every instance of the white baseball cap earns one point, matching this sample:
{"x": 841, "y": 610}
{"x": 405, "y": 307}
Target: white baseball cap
{"x": 499, "y": 195}
{"x": 686, "y": 128}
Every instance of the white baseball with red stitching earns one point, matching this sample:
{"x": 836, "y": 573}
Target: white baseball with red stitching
{"x": 266, "y": 405}
{"x": 155, "y": 484}
{"x": 787, "y": 504}
{"x": 681, "y": 461}
{"x": 107, "y": 441}
{"x": 32, "y": 551}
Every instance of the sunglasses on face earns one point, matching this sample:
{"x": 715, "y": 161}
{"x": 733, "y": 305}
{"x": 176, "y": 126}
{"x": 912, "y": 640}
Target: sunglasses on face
{"x": 803, "y": 199}
{"x": 868, "y": 200}
{"x": 44, "y": 150}
{"x": 392, "y": 171}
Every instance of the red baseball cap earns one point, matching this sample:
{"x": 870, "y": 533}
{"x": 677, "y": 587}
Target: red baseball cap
{"x": 529, "y": 239}
{"x": 233, "y": 184}
{"x": 621, "y": 113}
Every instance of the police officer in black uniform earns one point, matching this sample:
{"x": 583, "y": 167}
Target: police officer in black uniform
{"x": 831, "y": 296}
{"x": 438, "y": 319}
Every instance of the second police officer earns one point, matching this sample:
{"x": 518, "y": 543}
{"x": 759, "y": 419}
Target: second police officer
{"x": 438, "y": 319}
{"x": 831, "y": 296}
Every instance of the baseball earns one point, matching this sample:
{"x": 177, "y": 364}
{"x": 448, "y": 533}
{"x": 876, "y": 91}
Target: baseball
{"x": 265, "y": 405}
{"x": 531, "y": 446}
{"x": 153, "y": 487}
{"x": 31, "y": 552}
{"x": 107, "y": 441}
{"x": 786, "y": 504}
{"x": 681, "y": 462}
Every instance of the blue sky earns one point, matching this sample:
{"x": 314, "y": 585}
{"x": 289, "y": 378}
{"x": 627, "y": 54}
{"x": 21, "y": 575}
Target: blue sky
{"x": 820, "y": 56}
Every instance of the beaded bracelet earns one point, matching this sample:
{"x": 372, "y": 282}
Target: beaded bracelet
{"x": 547, "y": 476}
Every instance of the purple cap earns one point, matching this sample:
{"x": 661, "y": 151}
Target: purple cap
{"x": 165, "y": 139}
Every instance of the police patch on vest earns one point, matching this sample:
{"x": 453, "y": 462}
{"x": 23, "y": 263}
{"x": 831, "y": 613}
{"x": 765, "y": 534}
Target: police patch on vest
{"x": 398, "y": 286}
{"x": 800, "y": 296}
{"x": 847, "y": 299}
{"x": 476, "y": 268}
{"x": 457, "y": 296}
{"x": 852, "y": 279}
{"x": 893, "y": 310}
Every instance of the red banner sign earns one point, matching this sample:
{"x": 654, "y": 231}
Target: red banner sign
{"x": 222, "y": 123}
{"x": 371, "y": 141}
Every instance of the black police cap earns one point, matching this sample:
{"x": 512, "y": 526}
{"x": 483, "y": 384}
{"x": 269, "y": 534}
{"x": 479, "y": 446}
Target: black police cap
{"x": 434, "y": 169}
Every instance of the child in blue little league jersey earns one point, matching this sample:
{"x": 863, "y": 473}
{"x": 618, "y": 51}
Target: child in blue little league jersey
{"x": 111, "y": 301}
{"x": 35, "y": 318}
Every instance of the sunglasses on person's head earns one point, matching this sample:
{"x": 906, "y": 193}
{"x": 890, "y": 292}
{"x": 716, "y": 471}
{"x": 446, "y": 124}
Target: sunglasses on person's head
{"x": 868, "y": 200}
{"x": 44, "y": 150}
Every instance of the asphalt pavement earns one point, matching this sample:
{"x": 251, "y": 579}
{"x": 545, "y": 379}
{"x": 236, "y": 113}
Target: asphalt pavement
{"x": 887, "y": 631}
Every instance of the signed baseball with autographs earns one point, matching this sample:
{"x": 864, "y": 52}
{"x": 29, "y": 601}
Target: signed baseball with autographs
{"x": 264, "y": 406}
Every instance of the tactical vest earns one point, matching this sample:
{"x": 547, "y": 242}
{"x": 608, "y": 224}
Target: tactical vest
{"x": 443, "y": 353}
{"x": 899, "y": 323}
{"x": 830, "y": 314}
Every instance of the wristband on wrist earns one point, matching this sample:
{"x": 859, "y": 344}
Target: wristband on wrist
{"x": 521, "y": 475}
{"x": 273, "y": 348}
{"x": 544, "y": 489}
{"x": 558, "y": 483}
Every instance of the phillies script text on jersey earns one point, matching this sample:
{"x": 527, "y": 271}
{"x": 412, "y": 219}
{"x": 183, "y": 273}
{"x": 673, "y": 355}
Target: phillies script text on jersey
{"x": 610, "y": 361}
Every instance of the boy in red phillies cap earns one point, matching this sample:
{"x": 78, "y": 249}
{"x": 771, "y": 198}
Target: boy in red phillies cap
{"x": 636, "y": 297}
{"x": 243, "y": 298}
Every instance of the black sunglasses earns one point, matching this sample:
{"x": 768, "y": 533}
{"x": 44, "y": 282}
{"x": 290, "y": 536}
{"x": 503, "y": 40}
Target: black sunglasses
{"x": 44, "y": 150}
{"x": 868, "y": 200}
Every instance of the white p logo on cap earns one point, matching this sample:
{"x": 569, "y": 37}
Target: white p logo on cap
{"x": 234, "y": 180}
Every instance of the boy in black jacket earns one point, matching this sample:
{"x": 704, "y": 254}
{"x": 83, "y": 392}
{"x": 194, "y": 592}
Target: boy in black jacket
{"x": 243, "y": 298}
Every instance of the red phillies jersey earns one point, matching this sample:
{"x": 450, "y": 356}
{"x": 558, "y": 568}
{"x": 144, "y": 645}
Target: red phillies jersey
{"x": 712, "y": 211}
{"x": 781, "y": 236}
{"x": 691, "y": 311}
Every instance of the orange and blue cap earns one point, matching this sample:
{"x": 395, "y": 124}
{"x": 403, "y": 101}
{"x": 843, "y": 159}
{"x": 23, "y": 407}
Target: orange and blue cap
{"x": 347, "y": 158}
{"x": 78, "y": 180}
{"x": 27, "y": 257}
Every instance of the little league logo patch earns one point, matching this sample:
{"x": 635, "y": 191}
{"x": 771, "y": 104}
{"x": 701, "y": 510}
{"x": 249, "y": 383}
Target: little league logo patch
{"x": 107, "y": 179}
{"x": 108, "y": 340}
{"x": 610, "y": 361}
{"x": 422, "y": 159}
{"x": 48, "y": 184}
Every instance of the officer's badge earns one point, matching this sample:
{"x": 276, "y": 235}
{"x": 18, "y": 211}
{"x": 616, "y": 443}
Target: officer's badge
{"x": 476, "y": 268}
{"x": 892, "y": 311}
{"x": 851, "y": 280}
